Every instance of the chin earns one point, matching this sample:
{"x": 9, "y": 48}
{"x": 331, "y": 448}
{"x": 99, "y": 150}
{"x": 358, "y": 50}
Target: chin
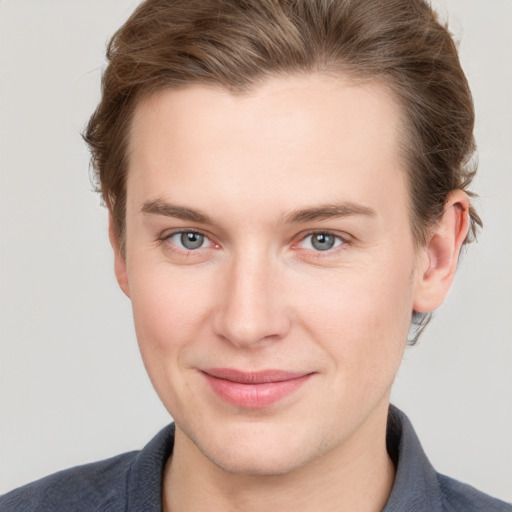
{"x": 260, "y": 463}
{"x": 253, "y": 450}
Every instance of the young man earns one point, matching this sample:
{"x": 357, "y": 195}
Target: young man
{"x": 287, "y": 185}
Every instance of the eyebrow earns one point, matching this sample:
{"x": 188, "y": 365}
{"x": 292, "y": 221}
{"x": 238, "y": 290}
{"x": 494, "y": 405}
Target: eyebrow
{"x": 328, "y": 211}
{"x": 161, "y": 207}
{"x": 321, "y": 212}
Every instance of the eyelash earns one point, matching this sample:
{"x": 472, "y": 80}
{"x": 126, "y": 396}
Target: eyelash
{"x": 329, "y": 252}
{"x": 314, "y": 253}
{"x": 172, "y": 247}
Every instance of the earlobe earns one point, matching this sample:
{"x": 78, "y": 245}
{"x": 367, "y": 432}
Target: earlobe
{"x": 119, "y": 258}
{"x": 441, "y": 253}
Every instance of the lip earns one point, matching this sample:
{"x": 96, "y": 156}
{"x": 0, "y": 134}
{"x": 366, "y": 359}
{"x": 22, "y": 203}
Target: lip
{"x": 254, "y": 390}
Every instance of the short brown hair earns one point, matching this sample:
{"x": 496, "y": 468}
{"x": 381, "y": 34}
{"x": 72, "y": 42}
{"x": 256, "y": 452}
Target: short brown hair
{"x": 236, "y": 44}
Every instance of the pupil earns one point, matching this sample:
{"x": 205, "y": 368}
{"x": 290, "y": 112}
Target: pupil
{"x": 192, "y": 240}
{"x": 322, "y": 242}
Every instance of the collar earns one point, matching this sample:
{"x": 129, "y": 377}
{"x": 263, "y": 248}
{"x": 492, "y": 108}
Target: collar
{"x": 416, "y": 485}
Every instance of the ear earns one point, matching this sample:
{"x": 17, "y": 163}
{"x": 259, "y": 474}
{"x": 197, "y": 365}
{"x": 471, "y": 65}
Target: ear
{"x": 439, "y": 258}
{"x": 119, "y": 258}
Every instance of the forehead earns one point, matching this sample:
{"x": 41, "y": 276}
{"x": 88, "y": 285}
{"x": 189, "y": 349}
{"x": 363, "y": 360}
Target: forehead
{"x": 314, "y": 133}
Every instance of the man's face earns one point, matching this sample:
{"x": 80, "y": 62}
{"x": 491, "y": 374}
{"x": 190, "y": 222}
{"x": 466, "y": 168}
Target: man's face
{"x": 271, "y": 266}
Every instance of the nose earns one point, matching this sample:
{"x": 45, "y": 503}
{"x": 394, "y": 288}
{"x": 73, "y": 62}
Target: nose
{"x": 251, "y": 310}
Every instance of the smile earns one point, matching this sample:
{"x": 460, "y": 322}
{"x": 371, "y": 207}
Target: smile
{"x": 253, "y": 390}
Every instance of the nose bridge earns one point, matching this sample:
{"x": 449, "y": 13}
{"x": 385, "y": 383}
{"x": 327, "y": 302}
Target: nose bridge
{"x": 252, "y": 307}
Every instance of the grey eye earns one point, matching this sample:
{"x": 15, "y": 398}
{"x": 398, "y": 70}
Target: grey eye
{"x": 190, "y": 240}
{"x": 322, "y": 241}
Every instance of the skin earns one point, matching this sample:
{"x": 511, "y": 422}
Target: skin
{"x": 259, "y": 295}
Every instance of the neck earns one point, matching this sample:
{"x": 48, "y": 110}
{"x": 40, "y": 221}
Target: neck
{"x": 355, "y": 477}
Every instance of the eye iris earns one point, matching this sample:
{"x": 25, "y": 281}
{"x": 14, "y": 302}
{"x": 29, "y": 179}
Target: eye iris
{"x": 191, "y": 240}
{"x": 322, "y": 241}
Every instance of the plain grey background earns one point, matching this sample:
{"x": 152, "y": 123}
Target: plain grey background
{"x": 73, "y": 388}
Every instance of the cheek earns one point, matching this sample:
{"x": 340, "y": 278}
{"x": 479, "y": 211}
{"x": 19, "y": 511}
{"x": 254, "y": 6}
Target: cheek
{"x": 362, "y": 316}
{"x": 169, "y": 309}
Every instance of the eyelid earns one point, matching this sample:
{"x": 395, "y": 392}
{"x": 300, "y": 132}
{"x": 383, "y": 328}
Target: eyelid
{"x": 343, "y": 237}
{"x": 167, "y": 235}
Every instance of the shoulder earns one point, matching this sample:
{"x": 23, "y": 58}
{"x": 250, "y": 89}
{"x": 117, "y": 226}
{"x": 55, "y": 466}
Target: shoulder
{"x": 418, "y": 486}
{"x": 457, "y": 496}
{"x": 131, "y": 481}
{"x": 91, "y": 487}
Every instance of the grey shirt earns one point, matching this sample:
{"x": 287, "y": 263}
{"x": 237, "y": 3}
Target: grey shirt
{"x": 132, "y": 482}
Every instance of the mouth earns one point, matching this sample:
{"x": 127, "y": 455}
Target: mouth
{"x": 254, "y": 390}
